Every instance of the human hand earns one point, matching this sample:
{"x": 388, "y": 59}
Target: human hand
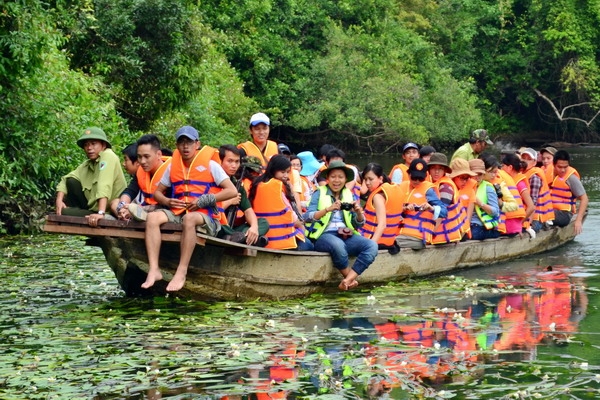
{"x": 59, "y": 207}
{"x": 252, "y": 235}
{"x": 93, "y": 219}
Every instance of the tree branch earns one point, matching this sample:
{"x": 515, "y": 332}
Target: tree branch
{"x": 561, "y": 114}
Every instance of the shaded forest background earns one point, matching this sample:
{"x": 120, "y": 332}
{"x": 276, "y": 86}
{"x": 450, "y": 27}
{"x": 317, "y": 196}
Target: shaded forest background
{"x": 366, "y": 75}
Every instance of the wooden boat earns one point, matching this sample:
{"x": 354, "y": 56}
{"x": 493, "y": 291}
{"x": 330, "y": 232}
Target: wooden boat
{"x": 224, "y": 270}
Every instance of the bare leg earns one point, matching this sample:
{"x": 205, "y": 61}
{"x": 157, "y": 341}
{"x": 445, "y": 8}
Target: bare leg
{"x": 188, "y": 243}
{"x": 349, "y": 281}
{"x": 153, "y": 240}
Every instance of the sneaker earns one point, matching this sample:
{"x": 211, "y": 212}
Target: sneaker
{"x": 237, "y": 237}
{"x": 137, "y": 212}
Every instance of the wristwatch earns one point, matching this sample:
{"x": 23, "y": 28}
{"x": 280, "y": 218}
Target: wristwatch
{"x": 100, "y": 212}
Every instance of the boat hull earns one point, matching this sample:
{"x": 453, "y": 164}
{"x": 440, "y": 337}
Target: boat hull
{"x": 227, "y": 271}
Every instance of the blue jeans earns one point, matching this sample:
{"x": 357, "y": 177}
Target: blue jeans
{"x": 364, "y": 249}
{"x": 307, "y": 245}
{"x": 478, "y": 232}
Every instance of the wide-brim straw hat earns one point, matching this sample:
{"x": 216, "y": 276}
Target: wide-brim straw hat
{"x": 460, "y": 166}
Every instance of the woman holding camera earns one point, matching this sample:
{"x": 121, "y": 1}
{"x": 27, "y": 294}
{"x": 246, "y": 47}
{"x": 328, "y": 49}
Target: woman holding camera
{"x": 333, "y": 217}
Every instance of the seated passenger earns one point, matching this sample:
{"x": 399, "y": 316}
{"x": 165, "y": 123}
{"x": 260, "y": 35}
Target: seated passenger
{"x": 422, "y": 207}
{"x": 462, "y": 176}
{"x": 271, "y": 198}
{"x": 339, "y": 155}
{"x": 548, "y": 162}
{"x": 130, "y": 161}
{"x": 307, "y": 188}
{"x": 540, "y": 192}
{"x": 449, "y": 229}
{"x": 399, "y": 172}
{"x": 333, "y": 218}
{"x": 89, "y": 189}
{"x": 484, "y": 221}
{"x": 566, "y": 189}
{"x": 251, "y": 230}
{"x": 515, "y": 221}
{"x": 383, "y": 208}
{"x": 138, "y": 198}
{"x": 199, "y": 185}
{"x": 506, "y": 189}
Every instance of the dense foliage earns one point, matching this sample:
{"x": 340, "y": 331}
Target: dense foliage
{"x": 366, "y": 75}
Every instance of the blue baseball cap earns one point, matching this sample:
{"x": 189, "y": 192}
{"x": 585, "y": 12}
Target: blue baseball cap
{"x": 187, "y": 131}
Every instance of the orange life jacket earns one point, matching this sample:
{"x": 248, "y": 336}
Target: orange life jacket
{"x": 149, "y": 183}
{"x": 393, "y": 214}
{"x": 543, "y": 208}
{"x": 450, "y": 229}
{"x": 466, "y": 196}
{"x": 562, "y": 197}
{"x": 417, "y": 224}
{"x": 264, "y": 156}
{"x": 403, "y": 168}
{"x": 268, "y": 204}
{"x": 512, "y": 186}
{"x": 191, "y": 183}
{"x": 548, "y": 172}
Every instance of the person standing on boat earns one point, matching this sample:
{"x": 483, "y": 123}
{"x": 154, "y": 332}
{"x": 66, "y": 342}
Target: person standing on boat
{"x": 539, "y": 190}
{"x": 333, "y": 218}
{"x": 566, "y": 189}
{"x": 199, "y": 185}
{"x": 477, "y": 143}
{"x": 138, "y": 198}
{"x": 260, "y": 146}
{"x": 383, "y": 208}
{"x": 484, "y": 221}
{"x": 251, "y": 230}
{"x": 272, "y": 198}
{"x": 89, "y": 189}
{"x": 421, "y": 207}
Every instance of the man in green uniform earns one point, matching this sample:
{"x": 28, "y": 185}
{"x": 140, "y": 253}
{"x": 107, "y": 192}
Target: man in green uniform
{"x": 88, "y": 190}
{"x": 477, "y": 143}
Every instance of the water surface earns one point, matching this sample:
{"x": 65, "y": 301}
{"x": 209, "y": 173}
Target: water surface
{"x": 512, "y": 330}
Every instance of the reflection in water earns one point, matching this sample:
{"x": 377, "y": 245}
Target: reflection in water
{"x": 440, "y": 345}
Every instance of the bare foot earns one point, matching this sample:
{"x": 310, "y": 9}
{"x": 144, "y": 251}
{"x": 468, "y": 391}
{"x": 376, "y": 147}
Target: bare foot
{"x": 347, "y": 285}
{"x": 151, "y": 279}
{"x": 176, "y": 283}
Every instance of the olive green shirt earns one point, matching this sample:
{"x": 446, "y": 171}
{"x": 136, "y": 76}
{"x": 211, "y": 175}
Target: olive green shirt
{"x": 465, "y": 152}
{"x": 100, "y": 178}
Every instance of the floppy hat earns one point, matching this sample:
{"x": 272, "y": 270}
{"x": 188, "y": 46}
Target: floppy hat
{"x": 530, "y": 152}
{"x": 439, "y": 159}
{"x": 417, "y": 169}
{"x": 481, "y": 134}
{"x": 460, "y": 166}
{"x": 310, "y": 164}
{"x": 259, "y": 118}
{"x": 548, "y": 149}
{"x": 187, "y": 131}
{"x": 337, "y": 164}
{"x": 477, "y": 166}
{"x": 410, "y": 145}
{"x": 93, "y": 133}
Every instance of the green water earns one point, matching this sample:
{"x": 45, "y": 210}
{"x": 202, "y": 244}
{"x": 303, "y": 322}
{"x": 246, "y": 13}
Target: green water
{"x": 513, "y": 330}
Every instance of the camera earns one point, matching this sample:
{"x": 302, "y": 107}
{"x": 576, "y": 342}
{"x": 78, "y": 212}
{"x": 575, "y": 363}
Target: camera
{"x": 498, "y": 190}
{"x": 347, "y": 206}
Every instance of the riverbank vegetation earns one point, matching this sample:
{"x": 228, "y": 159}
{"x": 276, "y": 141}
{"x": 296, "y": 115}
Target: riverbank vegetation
{"x": 365, "y": 75}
